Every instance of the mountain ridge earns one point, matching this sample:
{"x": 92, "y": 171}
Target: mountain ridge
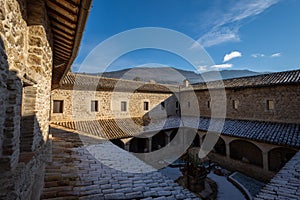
{"x": 170, "y": 75}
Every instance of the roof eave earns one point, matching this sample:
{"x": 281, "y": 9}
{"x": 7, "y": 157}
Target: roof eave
{"x": 83, "y": 16}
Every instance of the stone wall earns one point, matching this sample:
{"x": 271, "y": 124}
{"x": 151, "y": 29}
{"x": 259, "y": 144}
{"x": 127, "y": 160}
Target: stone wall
{"x": 252, "y": 103}
{"x": 26, "y": 61}
{"x": 77, "y": 104}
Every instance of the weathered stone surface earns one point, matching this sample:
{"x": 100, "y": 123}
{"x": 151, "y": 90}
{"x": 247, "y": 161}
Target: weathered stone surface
{"x": 21, "y": 171}
{"x": 252, "y": 103}
{"x": 77, "y": 104}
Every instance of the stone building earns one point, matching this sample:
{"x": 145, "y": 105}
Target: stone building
{"x": 261, "y": 129}
{"x": 38, "y": 42}
{"x": 269, "y": 97}
{"x": 84, "y": 97}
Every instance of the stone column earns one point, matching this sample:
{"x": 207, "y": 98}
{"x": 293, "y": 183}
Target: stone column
{"x": 200, "y": 139}
{"x": 265, "y": 160}
{"x": 168, "y": 137}
{"x": 227, "y": 149}
{"x": 149, "y": 145}
{"x": 127, "y": 146}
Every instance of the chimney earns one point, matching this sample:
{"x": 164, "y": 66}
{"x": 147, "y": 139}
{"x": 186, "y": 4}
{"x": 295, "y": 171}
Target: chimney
{"x": 186, "y": 83}
{"x": 152, "y": 81}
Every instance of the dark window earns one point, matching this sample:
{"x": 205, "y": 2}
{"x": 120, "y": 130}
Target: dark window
{"x": 270, "y": 105}
{"x": 235, "y": 104}
{"x": 146, "y": 105}
{"x": 189, "y": 104}
{"x": 162, "y": 105}
{"x": 177, "y": 104}
{"x": 58, "y": 106}
{"x": 123, "y": 106}
{"x": 94, "y": 106}
{"x": 208, "y": 104}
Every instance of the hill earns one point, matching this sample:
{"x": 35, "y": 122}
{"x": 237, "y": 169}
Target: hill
{"x": 169, "y": 75}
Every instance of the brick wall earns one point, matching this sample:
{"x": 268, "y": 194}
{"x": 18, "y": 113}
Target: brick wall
{"x": 25, "y": 61}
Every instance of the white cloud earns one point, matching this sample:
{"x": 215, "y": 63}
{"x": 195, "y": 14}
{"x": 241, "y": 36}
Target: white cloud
{"x": 219, "y": 36}
{"x": 257, "y": 55}
{"x": 275, "y": 55}
{"x": 221, "y": 66}
{"x": 233, "y": 54}
{"x": 225, "y": 27}
{"x": 202, "y": 68}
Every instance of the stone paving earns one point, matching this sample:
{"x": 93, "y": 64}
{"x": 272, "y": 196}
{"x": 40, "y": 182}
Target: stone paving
{"x": 75, "y": 173}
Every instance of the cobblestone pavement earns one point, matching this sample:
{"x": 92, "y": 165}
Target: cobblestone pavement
{"x": 75, "y": 173}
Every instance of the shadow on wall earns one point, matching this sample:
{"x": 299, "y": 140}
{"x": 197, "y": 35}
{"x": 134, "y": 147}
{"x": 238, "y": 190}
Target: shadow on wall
{"x": 22, "y": 148}
{"x": 167, "y": 108}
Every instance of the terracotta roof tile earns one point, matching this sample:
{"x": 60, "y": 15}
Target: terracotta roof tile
{"x": 285, "y": 184}
{"x": 89, "y": 82}
{"x": 278, "y": 78}
{"x": 269, "y": 132}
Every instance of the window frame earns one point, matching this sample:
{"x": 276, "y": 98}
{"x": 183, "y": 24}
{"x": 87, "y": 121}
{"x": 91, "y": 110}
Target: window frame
{"x": 125, "y": 104}
{"x": 146, "y": 105}
{"x": 268, "y": 101}
{"x": 235, "y": 104}
{"x": 96, "y": 108}
{"x": 61, "y": 108}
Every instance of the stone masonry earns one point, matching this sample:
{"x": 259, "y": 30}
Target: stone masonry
{"x": 77, "y": 104}
{"x": 252, "y": 103}
{"x": 25, "y": 61}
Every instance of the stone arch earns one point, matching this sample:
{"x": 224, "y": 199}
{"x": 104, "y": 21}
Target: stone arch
{"x": 246, "y": 151}
{"x": 278, "y": 157}
{"x": 138, "y": 145}
{"x": 196, "y": 141}
{"x": 118, "y": 143}
{"x": 158, "y": 141}
{"x": 220, "y": 147}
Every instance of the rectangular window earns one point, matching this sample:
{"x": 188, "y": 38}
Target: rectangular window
{"x": 123, "y": 106}
{"x": 270, "y": 105}
{"x": 162, "y": 105}
{"x": 235, "y": 104}
{"x": 208, "y": 104}
{"x": 189, "y": 104}
{"x": 94, "y": 106}
{"x": 58, "y": 106}
{"x": 146, "y": 105}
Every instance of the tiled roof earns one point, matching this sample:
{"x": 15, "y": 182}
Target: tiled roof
{"x": 285, "y": 184}
{"x": 268, "y": 132}
{"x": 278, "y": 78}
{"x": 118, "y": 128}
{"x": 107, "y": 128}
{"x": 89, "y": 82}
{"x": 85, "y": 167}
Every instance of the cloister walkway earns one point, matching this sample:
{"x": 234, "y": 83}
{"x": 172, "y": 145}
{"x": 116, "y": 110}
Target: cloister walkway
{"x": 75, "y": 173}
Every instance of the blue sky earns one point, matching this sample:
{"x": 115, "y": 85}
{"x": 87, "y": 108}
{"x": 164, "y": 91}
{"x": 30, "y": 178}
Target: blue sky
{"x": 259, "y": 35}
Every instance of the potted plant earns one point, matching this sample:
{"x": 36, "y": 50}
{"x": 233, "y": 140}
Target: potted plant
{"x": 194, "y": 172}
